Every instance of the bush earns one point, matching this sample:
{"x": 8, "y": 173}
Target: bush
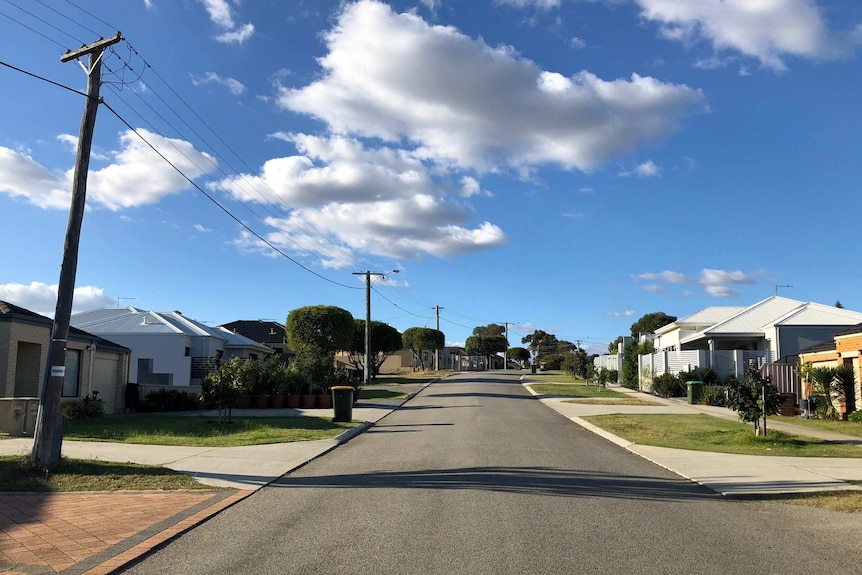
{"x": 170, "y": 400}
{"x": 613, "y": 375}
{"x": 668, "y": 385}
{"x": 855, "y": 417}
{"x": 709, "y": 376}
{"x": 552, "y": 361}
{"x": 82, "y": 408}
{"x": 713, "y": 395}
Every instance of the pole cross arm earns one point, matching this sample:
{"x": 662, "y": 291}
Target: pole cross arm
{"x": 94, "y": 47}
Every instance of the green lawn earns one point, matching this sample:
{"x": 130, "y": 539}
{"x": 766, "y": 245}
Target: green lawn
{"x": 574, "y": 390}
{"x": 374, "y": 393}
{"x": 707, "y": 433}
{"x": 611, "y": 401}
{"x": 16, "y": 474}
{"x": 846, "y": 427}
{"x": 202, "y": 431}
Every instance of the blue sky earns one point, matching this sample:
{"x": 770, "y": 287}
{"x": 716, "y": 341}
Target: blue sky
{"x": 561, "y": 165}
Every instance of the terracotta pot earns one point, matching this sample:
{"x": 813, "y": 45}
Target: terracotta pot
{"x": 309, "y": 401}
{"x": 324, "y": 401}
{"x": 261, "y": 401}
{"x": 277, "y": 401}
{"x": 244, "y": 402}
{"x": 294, "y": 401}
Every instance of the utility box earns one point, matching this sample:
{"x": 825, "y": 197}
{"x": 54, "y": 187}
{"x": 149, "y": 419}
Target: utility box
{"x": 18, "y": 415}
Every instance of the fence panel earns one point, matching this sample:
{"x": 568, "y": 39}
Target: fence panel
{"x": 783, "y": 376}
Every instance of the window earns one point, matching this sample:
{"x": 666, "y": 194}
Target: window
{"x": 73, "y": 373}
{"x": 188, "y": 352}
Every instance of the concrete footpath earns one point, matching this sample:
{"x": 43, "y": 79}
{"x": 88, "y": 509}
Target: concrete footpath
{"x": 725, "y": 473}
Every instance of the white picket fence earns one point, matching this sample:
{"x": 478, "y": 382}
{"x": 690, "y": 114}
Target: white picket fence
{"x": 723, "y": 362}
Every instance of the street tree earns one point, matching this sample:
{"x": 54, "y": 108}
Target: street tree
{"x": 319, "y": 328}
{"x": 651, "y": 322}
{"x": 418, "y": 339}
{"x": 486, "y": 345}
{"x": 753, "y": 397}
{"x": 315, "y": 333}
{"x": 519, "y": 354}
{"x": 490, "y": 330}
{"x": 614, "y": 346}
{"x": 385, "y": 340}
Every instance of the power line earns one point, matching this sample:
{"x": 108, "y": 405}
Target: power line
{"x": 43, "y": 21}
{"x": 32, "y": 75}
{"x": 33, "y": 30}
{"x": 219, "y": 205}
{"x": 85, "y": 11}
{"x": 69, "y": 18}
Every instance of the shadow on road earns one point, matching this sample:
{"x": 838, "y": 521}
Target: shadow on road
{"x": 478, "y": 394}
{"x": 520, "y": 480}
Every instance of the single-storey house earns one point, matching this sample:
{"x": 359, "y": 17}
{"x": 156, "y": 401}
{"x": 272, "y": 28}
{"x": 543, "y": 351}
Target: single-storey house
{"x": 730, "y": 339}
{"x": 94, "y": 365}
{"x": 844, "y": 348}
{"x": 167, "y": 348}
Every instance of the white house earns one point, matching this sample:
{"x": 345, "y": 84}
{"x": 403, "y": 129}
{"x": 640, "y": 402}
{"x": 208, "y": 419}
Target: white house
{"x": 168, "y": 349}
{"x": 728, "y": 339}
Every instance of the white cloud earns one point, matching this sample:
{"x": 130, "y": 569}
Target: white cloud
{"x": 543, "y": 4}
{"x": 220, "y": 14}
{"x": 137, "y": 176}
{"x": 42, "y": 298}
{"x": 409, "y": 228}
{"x": 665, "y": 276}
{"x": 202, "y": 229}
{"x": 235, "y": 87}
{"x": 470, "y": 187}
{"x": 238, "y": 35}
{"x": 148, "y": 4}
{"x": 626, "y": 313}
{"x": 767, "y": 30}
{"x": 464, "y": 103}
{"x": 645, "y": 170}
{"x": 578, "y": 43}
{"x": 587, "y": 190}
{"x": 717, "y": 283}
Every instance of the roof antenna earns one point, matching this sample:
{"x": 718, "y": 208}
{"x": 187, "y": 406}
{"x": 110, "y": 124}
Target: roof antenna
{"x": 782, "y": 286}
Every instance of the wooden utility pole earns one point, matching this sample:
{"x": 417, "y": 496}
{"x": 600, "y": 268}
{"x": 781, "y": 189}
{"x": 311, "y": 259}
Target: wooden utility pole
{"x": 437, "y": 309}
{"x": 365, "y": 371}
{"x": 49, "y": 424}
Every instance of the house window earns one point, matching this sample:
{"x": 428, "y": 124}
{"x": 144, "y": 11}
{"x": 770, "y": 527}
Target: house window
{"x": 252, "y": 356}
{"x": 73, "y": 372}
{"x": 188, "y": 352}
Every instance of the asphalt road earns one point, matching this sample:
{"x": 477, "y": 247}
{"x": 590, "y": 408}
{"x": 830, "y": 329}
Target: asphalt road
{"x": 474, "y": 476}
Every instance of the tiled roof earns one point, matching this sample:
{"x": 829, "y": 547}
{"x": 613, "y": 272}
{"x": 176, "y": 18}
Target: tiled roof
{"x": 258, "y": 330}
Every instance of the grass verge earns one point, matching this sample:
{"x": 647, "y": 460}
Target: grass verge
{"x": 202, "y": 431}
{"x": 610, "y": 401}
{"x": 843, "y": 501}
{"x": 16, "y": 474}
{"x": 706, "y": 433}
{"x": 366, "y": 393}
{"x": 846, "y": 427}
{"x": 574, "y": 390}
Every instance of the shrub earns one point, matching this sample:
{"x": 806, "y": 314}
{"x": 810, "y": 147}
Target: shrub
{"x": 668, "y": 385}
{"x": 713, "y": 395}
{"x": 82, "y": 408}
{"x": 856, "y": 416}
{"x": 709, "y": 376}
{"x": 553, "y": 361}
{"x": 170, "y": 400}
{"x": 747, "y": 398}
{"x": 613, "y": 375}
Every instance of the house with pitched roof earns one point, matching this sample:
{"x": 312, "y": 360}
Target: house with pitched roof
{"x": 167, "y": 348}
{"x": 94, "y": 365}
{"x": 266, "y": 332}
{"x": 844, "y": 348}
{"x": 730, "y": 339}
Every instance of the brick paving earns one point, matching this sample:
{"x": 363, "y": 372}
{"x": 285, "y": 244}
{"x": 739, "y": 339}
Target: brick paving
{"x": 95, "y": 533}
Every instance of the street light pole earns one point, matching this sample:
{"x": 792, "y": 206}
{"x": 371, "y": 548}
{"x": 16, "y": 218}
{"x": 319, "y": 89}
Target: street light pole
{"x": 365, "y": 370}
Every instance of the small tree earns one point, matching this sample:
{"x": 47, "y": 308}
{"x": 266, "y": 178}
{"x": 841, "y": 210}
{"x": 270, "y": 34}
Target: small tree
{"x": 519, "y": 354}
{"x": 385, "y": 340}
{"x": 223, "y": 385}
{"x": 752, "y": 397}
{"x": 629, "y": 368}
{"x": 417, "y": 339}
{"x": 486, "y": 345}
